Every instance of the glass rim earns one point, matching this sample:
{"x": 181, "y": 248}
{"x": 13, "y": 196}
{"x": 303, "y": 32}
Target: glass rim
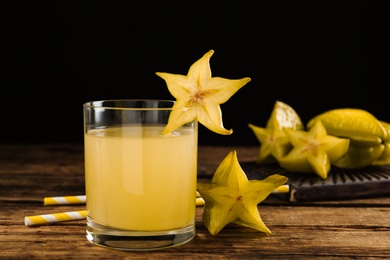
{"x": 101, "y": 104}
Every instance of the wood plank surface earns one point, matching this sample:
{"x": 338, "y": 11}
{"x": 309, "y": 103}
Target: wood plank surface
{"x": 350, "y": 229}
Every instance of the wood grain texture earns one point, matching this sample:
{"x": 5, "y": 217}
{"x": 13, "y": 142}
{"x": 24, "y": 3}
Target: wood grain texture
{"x": 358, "y": 229}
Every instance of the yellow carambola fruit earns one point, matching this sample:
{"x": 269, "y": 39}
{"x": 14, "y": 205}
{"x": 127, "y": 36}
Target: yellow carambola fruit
{"x": 314, "y": 150}
{"x": 365, "y": 141}
{"x": 356, "y": 124}
{"x": 359, "y": 157}
{"x": 274, "y": 143}
{"x": 386, "y": 126}
{"x": 231, "y": 198}
{"x": 384, "y": 158}
{"x": 199, "y": 95}
{"x": 365, "y": 131}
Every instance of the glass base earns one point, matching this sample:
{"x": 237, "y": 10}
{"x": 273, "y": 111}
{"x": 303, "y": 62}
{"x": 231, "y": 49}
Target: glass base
{"x": 137, "y": 240}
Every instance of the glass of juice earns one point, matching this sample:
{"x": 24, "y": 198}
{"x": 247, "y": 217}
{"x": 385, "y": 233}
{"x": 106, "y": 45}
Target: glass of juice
{"x": 140, "y": 185}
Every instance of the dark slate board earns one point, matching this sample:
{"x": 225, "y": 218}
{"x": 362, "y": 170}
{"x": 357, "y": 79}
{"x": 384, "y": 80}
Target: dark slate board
{"x": 341, "y": 184}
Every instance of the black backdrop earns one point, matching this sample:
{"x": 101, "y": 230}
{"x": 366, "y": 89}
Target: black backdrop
{"x": 312, "y": 55}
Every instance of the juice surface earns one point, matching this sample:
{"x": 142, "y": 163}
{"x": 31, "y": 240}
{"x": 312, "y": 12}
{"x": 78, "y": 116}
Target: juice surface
{"x": 137, "y": 179}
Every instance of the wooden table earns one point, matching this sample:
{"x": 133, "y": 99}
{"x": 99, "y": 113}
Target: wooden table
{"x": 328, "y": 229}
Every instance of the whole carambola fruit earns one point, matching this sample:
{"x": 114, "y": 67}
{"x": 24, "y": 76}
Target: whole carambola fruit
{"x": 366, "y": 133}
{"x": 352, "y": 123}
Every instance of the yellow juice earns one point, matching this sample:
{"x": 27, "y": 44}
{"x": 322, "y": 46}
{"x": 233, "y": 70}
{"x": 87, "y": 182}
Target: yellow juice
{"x": 137, "y": 179}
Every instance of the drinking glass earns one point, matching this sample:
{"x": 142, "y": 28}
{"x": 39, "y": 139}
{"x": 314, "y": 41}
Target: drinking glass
{"x": 140, "y": 185}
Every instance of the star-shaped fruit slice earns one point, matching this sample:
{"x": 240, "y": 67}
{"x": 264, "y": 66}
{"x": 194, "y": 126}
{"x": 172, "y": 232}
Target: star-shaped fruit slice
{"x": 231, "y": 198}
{"x": 199, "y": 95}
{"x": 274, "y": 143}
{"x": 313, "y": 150}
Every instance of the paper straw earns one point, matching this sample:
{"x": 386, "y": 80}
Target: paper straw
{"x": 80, "y": 199}
{"x": 56, "y": 217}
{"x": 199, "y": 201}
{"x": 68, "y": 216}
{"x": 282, "y": 189}
{"x": 82, "y": 214}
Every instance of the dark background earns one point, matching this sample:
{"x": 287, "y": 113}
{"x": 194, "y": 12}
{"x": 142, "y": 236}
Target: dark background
{"x": 312, "y": 55}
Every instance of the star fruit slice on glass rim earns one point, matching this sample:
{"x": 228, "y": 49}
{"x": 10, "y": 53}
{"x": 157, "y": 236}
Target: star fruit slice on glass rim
{"x": 199, "y": 95}
{"x": 231, "y": 198}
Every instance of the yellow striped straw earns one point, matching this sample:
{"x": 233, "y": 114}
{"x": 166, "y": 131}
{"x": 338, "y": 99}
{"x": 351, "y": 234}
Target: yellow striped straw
{"x": 282, "y": 189}
{"x": 199, "y": 201}
{"x": 82, "y": 214}
{"x": 56, "y": 217}
{"x": 80, "y": 199}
